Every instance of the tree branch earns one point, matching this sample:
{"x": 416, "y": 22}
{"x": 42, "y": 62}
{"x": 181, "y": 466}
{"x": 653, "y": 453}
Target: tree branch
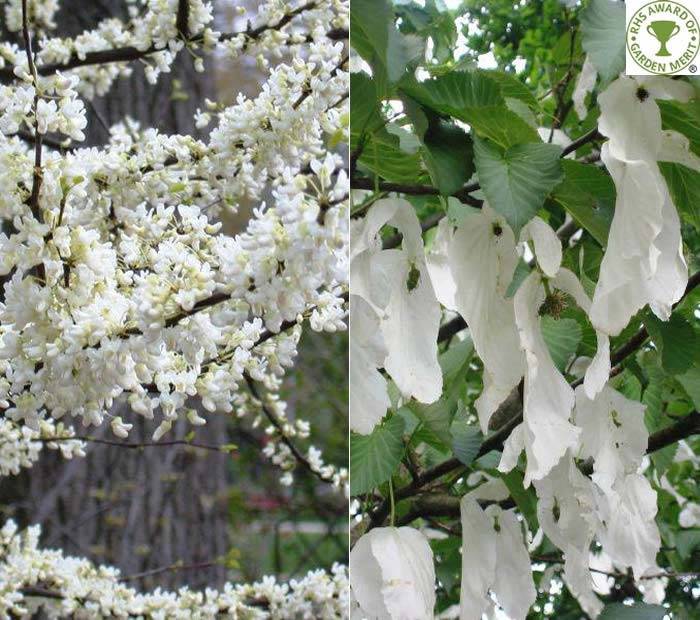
{"x": 38, "y": 175}
{"x": 463, "y": 194}
{"x": 130, "y": 54}
{"x": 137, "y": 445}
{"x": 495, "y": 440}
{"x": 301, "y": 459}
{"x": 443, "y": 505}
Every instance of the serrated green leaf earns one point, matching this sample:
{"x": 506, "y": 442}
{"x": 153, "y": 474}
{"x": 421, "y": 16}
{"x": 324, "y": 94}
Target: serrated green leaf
{"x": 652, "y": 398}
{"x": 588, "y": 194}
{"x": 466, "y": 440}
{"x": 684, "y": 187}
{"x": 562, "y": 337}
{"x": 364, "y": 112}
{"x": 474, "y": 98}
{"x": 683, "y": 118}
{"x": 638, "y": 611}
{"x": 627, "y": 384}
{"x": 383, "y": 156}
{"x": 517, "y": 180}
{"x": 663, "y": 459}
{"x": 375, "y": 38}
{"x": 603, "y": 27}
{"x": 455, "y": 92}
{"x": 512, "y": 87}
{"x": 677, "y": 341}
{"x": 375, "y": 457}
{"x": 448, "y": 155}
{"x": 690, "y": 380}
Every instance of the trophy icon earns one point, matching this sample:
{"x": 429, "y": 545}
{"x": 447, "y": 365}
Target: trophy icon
{"x": 663, "y": 31}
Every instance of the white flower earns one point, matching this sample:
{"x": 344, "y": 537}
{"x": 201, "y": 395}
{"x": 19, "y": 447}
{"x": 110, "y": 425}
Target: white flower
{"x": 644, "y": 262}
{"x": 613, "y": 434}
{"x": 584, "y": 85}
{"x": 392, "y": 575}
{"x": 368, "y": 388}
{"x": 397, "y": 285}
{"x": 119, "y": 428}
{"x": 482, "y": 261}
{"x": 494, "y": 557}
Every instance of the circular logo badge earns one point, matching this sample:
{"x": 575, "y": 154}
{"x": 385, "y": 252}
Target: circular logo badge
{"x": 662, "y": 37}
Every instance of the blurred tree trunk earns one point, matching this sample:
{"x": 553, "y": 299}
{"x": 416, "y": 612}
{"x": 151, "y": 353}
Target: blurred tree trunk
{"x": 148, "y": 508}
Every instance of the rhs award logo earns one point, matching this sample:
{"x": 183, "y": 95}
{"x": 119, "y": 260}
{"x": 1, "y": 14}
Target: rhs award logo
{"x": 662, "y": 37}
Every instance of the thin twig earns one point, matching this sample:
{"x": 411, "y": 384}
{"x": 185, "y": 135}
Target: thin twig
{"x": 270, "y": 415}
{"x": 177, "y": 566}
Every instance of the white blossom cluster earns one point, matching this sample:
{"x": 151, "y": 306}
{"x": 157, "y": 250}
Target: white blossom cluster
{"x": 397, "y": 297}
{"x": 33, "y": 579}
{"x": 20, "y": 446}
{"x": 119, "y": 282}
{"x": 151, "y": 34}
{"x": 42, "y": 14}
{"x": 121, "y": 285}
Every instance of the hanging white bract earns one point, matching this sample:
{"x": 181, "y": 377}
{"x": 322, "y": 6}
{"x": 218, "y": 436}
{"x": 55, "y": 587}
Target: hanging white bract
{"x": 392, "y": 575}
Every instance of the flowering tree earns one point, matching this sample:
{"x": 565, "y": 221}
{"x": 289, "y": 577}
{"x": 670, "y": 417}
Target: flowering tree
{"x": 525, "y": 367}
{"x": 121, "y": 288}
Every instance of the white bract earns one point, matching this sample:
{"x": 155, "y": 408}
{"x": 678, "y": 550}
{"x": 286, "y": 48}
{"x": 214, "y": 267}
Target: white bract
{"x": 395, "y": 285}
{"x": 482, "y": 259}
{"x": 643, "y": 263}
{"x": 392, "y": 575}
{"x": 494, "y": 557}
{"x": 548, "y": 400}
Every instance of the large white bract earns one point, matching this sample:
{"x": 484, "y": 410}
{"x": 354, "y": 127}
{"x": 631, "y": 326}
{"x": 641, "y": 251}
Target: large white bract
{"x": 119, "y": 284}
{"x": 584, "y": 443}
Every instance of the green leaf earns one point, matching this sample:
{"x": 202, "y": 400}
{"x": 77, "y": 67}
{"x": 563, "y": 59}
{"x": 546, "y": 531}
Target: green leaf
{"x": 588, "y": 194}
{"x": 676, "y": 340}
{"x": 455, "y": 92}
{"x": 683, "y": 118}
{"x": 684, "y": 186}
{"x": 517, "y": 180}
{"x": 375, "y": 457}
{"x": 473, "y": 98}
{"x": 603, "y": 26}
{"x": 375, "y": 38}
{"x": 663, "y": 459}
{"x": 526, "y": 499}
{"x": 652, "y": 398}
{"x": 383, "y": 155}
{"x": 466, "y": 440}
{"x": 690, "y": 380}
{"x": 638, "y": 611}
{"x": 505, "y": 127}
{"x": 512, "y": 87}
{"x": 562, "y": 337}
{"x": 448, "y": 155}
{"x": 627, "y": 384}
{"x": 365, "y": 115}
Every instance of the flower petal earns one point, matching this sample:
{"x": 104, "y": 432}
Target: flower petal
{"x": 368, "y": 386}
{"x": 548, "y": 398}
{"x": 482, "y": 258}
{"x": 392, "y": 574}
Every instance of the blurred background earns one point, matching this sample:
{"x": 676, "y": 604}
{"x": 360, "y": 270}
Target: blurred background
{"x": 178, "y": 515}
